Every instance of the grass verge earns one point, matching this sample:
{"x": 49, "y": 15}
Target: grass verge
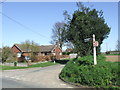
{"x": 32, "y": 66}
{"x": 81, "y": 71}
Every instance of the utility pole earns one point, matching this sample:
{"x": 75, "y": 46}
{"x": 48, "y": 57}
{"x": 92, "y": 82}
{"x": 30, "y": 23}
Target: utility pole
{"x": 94, "y": 50}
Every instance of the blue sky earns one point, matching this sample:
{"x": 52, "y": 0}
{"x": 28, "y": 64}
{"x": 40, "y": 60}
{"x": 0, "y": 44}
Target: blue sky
{"x": 41, "y": 16}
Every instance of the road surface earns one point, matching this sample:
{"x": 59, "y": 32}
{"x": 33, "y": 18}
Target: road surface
{"x": 10, "y": 83}
{"x": 46, "y": 77}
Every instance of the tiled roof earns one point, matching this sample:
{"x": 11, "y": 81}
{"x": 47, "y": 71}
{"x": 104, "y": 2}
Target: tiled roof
{"x": 19, "y": 46}
{"x": 47, "y": 48}
{"x": 43, "y": 48}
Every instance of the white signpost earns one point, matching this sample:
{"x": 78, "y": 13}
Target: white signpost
{"x": 95, "y": 44}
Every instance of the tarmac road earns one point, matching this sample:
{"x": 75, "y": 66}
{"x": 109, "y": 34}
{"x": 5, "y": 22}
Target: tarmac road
{"x": 12, "y": 83}
{"x": 46, "y": 77}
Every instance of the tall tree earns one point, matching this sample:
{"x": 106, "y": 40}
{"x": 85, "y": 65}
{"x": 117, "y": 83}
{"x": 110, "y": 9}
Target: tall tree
{"x": 58, "y": 33}
{"x": 84, "y": 23}
{"x": 32, "y": 47}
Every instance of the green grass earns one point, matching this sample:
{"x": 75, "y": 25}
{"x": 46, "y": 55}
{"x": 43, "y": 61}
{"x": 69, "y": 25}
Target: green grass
{"x": 10, "y": 67}
{"x": 81, "y": 71}
{"x": 43, "y": 64}
{"x": 32, "y": 66}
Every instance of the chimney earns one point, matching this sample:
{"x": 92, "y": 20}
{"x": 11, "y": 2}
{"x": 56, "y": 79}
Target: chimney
{"x": 57, "y": 43}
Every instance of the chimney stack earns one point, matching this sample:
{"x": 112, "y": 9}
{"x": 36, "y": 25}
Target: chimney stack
{"x": 57, "y": 43}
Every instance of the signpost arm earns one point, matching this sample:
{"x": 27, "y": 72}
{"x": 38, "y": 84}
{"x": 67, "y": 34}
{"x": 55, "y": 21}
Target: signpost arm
{"x": 94, "y": 50}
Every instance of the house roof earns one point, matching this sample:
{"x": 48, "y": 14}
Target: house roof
{"x": 47, "y": 48}
{"x": 43, "y": 48}
{"x": 19, "y": 46}
{"x": 26, "y": 54}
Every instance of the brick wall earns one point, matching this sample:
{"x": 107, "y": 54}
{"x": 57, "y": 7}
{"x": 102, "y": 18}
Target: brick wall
{"x": 57, "y": 51}
{"x": 15, "y": 49}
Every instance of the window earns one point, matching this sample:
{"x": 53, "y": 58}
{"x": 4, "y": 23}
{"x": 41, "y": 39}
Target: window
{"x": 45, "y": 53}
{"x": 19, "y": 54}
{"x": 27, "y": 57}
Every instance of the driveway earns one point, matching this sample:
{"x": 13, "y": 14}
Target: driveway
{"x": 47, "y": 77}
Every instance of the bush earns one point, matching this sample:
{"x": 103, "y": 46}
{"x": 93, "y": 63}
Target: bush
{"x": 66, "y": 53}
{"x": 64, "y": 56}
{"x": 82, "y": 71}
{"x": 15, "y": 63}
{"x": 8, "y": 55}
{"x": 49, "y": 57}
{"x": 45, "y": 58}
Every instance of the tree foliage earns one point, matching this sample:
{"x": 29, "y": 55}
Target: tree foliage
{"x": 58, "y": 33}
{"x": 83, "y": 24}
{"x": 32, "y": 47}
{"x": 8, "y": 55}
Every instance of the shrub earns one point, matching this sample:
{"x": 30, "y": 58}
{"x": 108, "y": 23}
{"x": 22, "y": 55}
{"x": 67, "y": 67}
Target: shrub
{"x": 45, "y": 58}
{"x": 15, "y": 63}
{"x": 64, "y": 56}
{"x": 49, "y": 57}
{"x": 82, "y": 71}
{"x": 66, "y": 53}
{"x": 42, "y": 58}
{"x": 8, "y": 55}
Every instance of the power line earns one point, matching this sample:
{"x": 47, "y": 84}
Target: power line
{"x": 27, "y": 28}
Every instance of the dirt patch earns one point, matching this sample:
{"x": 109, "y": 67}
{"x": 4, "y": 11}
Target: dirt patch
{"x": 113, "y": 58}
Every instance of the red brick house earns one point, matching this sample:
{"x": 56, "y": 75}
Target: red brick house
{"x": 44, "y": 50}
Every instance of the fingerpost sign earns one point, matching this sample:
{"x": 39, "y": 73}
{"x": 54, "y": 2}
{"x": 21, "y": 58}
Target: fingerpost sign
{"x": 95, "y": 44}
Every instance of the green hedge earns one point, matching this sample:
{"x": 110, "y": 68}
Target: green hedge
{"x": 82, "y": 71}
{"x": 66, "y": 53}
